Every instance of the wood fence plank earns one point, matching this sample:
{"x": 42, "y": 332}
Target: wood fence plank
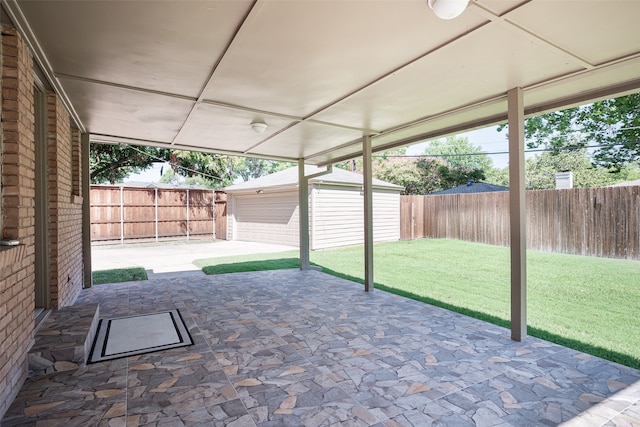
{"x": 602, "y": 222}
{"x": 139, "y": 211}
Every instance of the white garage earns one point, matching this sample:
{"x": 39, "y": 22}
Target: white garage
{"x": 266, "y": 209}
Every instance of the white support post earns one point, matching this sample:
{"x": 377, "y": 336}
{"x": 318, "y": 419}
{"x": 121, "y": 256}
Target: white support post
{"x": 303, "y": 214}
{"x": 368, "y": 214}
{"x": 517, "y": 213}
{"x": 85, "y": 149}
{"x": 156, "y": 209}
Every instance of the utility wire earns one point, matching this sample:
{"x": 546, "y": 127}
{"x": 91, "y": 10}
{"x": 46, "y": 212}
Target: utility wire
{"x": 538, "y": 150}
{"x": 175, "y": 164}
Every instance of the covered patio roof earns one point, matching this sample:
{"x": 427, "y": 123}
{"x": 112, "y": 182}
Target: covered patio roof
{"x": 321, "y": 74}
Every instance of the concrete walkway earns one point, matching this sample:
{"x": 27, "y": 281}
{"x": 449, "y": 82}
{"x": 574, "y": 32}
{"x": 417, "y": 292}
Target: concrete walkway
{"x": 172, "y": 257}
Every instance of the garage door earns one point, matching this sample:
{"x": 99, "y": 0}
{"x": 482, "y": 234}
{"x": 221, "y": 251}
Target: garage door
{"x": 267, "y": 218}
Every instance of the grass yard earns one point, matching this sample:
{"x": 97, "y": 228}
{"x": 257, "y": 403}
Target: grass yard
{"x": 587, "y": 303}
{"x": 119, "y": 275}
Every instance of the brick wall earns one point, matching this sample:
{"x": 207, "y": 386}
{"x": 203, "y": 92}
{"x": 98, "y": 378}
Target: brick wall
{"x": 65, "y": 206}
{"x": 18, "y": 173}
{"x": 17, "y": 273}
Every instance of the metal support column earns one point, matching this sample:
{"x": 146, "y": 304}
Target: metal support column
{"x": 86, "y": 209}
{"x": 517, "y": 213}
{"x": 368, "y": 213}
{"x": 303, "y": 214}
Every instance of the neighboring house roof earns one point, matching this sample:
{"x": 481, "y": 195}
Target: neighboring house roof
{"x": 627, "y": 183}
{"x": 474, "y": 187}
{"x": 289, "y": 178}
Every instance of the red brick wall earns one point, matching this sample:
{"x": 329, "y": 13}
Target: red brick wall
{"x": 17, "y": 264}
{"x": 17, "y": 273}
{"x": 65, "y": 206}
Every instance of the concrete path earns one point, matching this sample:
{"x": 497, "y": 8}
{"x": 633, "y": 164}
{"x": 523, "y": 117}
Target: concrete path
{"x": 175, "y": 257}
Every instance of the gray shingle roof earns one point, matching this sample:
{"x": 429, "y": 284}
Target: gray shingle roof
{"x": 289, "y": 178}
{"x": 627, "y": 183}
{"x": 476, "y": 187}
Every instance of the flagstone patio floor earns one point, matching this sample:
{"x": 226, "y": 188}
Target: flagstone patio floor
{"x": 303, "y": 348}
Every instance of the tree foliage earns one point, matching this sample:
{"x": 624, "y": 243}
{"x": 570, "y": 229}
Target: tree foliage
{"x": 613, "y": 123}
{"x": 212, "y": 167}
{"x": 113, "y": 163}
{"x": 423, "y": 175}
{"x": 110, "y": 163}
{"x": 459, "y": 153}
{"x": 541, "y": 170}
{"x": 250, "y": 167}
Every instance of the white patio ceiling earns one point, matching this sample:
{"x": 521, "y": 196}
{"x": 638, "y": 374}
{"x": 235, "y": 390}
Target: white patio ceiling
{"x": 321, "y": 74}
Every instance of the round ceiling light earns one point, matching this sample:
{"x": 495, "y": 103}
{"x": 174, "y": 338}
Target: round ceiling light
{"x": 258, "y": 126}
{"x": 448, "y": 9}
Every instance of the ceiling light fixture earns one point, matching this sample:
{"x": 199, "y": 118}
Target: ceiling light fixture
{"x": 258, "y": 126}
{"x": 447, "y": 9}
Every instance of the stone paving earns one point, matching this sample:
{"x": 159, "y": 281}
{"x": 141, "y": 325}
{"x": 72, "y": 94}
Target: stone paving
{"x": 294, "y": 348}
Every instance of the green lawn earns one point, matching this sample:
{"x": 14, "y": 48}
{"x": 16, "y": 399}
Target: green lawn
{"x": 591, "y": 304}
{"x": 118, "y": 275}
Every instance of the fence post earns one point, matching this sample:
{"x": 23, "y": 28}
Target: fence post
{"x": 156, "y": 209}
{"x": 187, "y": 214}
{"x": 213, "y": 214}
{"x": 121, "y": 215}
{"x": 413, "y": 222}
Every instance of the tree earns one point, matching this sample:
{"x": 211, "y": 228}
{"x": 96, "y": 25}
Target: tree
{"x": 250, "y": 167}
{"x": 613, "y": 123}
{"x": 112, "y": 163}
{"x": 459, "y": 153}
{"x": 407, "y": 173}
{"x": 541, "y": 170}
{"x": 212, "y": 167}
{"x": 498, "y": 176}
{"x": 422, "y": 175}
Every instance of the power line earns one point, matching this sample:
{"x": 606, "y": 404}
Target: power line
{"x": 176, "y": 165}
{"x": 538, "y": 150}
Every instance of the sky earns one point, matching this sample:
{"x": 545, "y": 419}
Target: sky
{"x": 150, "y": 175}
{"x": 488, "y": 139}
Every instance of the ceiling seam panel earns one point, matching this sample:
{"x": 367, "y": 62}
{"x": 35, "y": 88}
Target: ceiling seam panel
{"x": 566, "y": 102}
{"x": 126, "y": 87}
{"x": 309, "y": 117}
{"x": 388, "y": 74}
{"x": 530, "y": 110}
{"x": 421, "y": 121}
{"x": 504, "y": 21}
{"x": 115, "y": 140}
{"x": 19, "y": 20}
{"x": 228, "y": 47}
{"x": 548, "y": 43}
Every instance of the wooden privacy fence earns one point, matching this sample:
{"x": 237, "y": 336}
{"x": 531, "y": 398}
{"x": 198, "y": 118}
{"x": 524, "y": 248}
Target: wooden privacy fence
{"x": 119, "y": 213}
{"x": 602, "y": 222}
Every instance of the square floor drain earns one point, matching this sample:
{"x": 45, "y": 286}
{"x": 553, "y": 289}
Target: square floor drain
{"x": 131, "y": 335}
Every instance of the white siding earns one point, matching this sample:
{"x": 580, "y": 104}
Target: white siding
{"x": 338, "y": 216}
{"x": 267, "y": 218}
{"x": 386, "y": 215}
